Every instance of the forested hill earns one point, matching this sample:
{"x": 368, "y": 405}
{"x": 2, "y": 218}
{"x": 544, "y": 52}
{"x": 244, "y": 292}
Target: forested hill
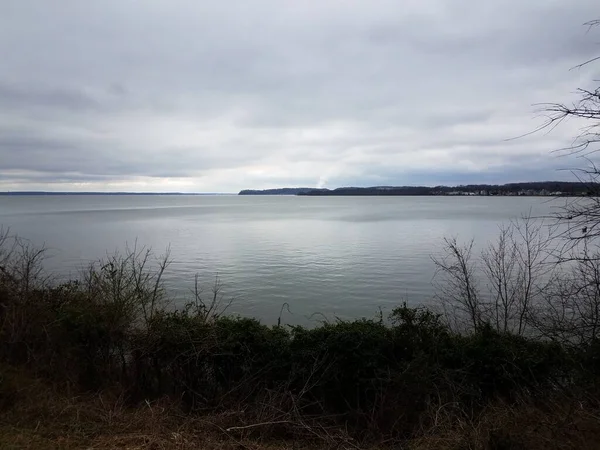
{"x": 543, "y": 188}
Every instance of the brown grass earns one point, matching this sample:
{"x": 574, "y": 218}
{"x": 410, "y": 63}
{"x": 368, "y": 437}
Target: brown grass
{"x": 552, "y": 425}
{"x": 34, "y": 415}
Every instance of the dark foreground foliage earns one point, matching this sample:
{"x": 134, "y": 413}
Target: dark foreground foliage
{"x": 377, "y": 380}
{"x": 410, "y": 380}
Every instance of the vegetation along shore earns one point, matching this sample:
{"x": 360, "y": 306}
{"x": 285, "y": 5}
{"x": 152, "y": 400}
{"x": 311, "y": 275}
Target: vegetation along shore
{"x": 542, "y": 188}
{"x": 509, "y": 360}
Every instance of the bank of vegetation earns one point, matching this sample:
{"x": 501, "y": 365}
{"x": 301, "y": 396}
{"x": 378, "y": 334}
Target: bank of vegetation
{"x": 511, "y": 360}
{"x": 541, "y": 188}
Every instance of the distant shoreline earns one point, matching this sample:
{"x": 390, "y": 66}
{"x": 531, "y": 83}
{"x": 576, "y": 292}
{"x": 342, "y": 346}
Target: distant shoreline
{"x": 529, "y": 189}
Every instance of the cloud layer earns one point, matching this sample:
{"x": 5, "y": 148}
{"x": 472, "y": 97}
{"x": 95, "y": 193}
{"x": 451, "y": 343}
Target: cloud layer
{"x": 191, "y": 96}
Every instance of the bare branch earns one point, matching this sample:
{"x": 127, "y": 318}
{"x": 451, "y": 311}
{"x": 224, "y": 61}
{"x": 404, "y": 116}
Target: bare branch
{"x": 458, "y": 285}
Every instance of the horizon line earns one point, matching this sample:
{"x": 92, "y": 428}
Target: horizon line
{"x": 41, "y": 192}
{"x": 110, "y": 193}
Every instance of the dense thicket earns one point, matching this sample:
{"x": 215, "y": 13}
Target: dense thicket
{"x": 377, "y": 379}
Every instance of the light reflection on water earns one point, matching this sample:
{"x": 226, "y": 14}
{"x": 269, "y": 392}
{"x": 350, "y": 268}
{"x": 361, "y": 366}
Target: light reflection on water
{"x": 343, "y": 256}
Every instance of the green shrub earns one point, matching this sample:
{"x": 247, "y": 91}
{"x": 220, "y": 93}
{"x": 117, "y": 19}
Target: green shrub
{"x": 505, "y": 365}
{"x": 111, "y": 330}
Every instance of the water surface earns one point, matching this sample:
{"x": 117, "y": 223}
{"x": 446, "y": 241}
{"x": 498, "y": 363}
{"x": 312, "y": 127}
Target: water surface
{"x": 344, "y": 256}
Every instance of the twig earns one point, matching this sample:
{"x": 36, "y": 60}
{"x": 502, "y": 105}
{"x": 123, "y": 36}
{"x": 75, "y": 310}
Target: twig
{"x": 254, "y": 425}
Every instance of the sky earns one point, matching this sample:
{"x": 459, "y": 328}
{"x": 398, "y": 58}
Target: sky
{"x": 199, "y": 96}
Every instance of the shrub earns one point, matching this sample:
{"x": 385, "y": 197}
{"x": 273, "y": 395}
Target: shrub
{"x": 504, "y": 365}
{"x": 113, "y": 330}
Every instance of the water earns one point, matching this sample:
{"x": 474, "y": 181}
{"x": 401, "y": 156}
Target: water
{"x": 340, "y": 256}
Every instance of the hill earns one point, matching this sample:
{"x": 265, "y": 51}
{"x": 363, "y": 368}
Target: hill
{"x": 544, "y": 188}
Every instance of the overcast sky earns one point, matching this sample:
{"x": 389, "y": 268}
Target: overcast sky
{"x": 173, "y": 95}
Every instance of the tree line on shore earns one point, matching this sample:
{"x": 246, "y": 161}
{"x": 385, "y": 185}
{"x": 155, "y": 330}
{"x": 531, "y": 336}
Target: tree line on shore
{"x": 542, "y": 188}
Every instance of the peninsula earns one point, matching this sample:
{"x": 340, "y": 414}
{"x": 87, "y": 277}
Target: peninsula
{"x": 541, "y": 188}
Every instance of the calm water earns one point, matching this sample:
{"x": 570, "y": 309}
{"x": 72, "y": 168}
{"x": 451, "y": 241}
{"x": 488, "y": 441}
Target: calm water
{"x": 343, "y": 256}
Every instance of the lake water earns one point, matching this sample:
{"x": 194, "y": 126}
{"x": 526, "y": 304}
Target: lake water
{"x": 342, "y": 256}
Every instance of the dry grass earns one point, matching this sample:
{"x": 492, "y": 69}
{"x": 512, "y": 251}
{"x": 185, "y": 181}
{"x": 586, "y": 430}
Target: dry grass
{"x": 553, "y": 425}
{"x": 100, "y": 423}
{"x": 34, "y": 415}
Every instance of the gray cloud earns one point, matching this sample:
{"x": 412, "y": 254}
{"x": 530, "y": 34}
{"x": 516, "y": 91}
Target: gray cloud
{"x": 197, "y": 96}
{"x": 20, "y": 97}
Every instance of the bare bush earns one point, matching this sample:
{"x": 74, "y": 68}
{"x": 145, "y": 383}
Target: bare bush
{"x": 535, "y": 244}
{"x": 21, "y": 263}
{"x": 6, "y": 247}
{"x": 457, "y": 289}
{"x": 21, "y": 280}
{"x": 210, "y": 308}
{"x": 570, "y": 310}
{"x": 500, "y": 265}
{"x": 519, "y": 268}
{"x": 28, "y": 266}
{"x": 516, "y": 269}
{"x": 132, "y": 281}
